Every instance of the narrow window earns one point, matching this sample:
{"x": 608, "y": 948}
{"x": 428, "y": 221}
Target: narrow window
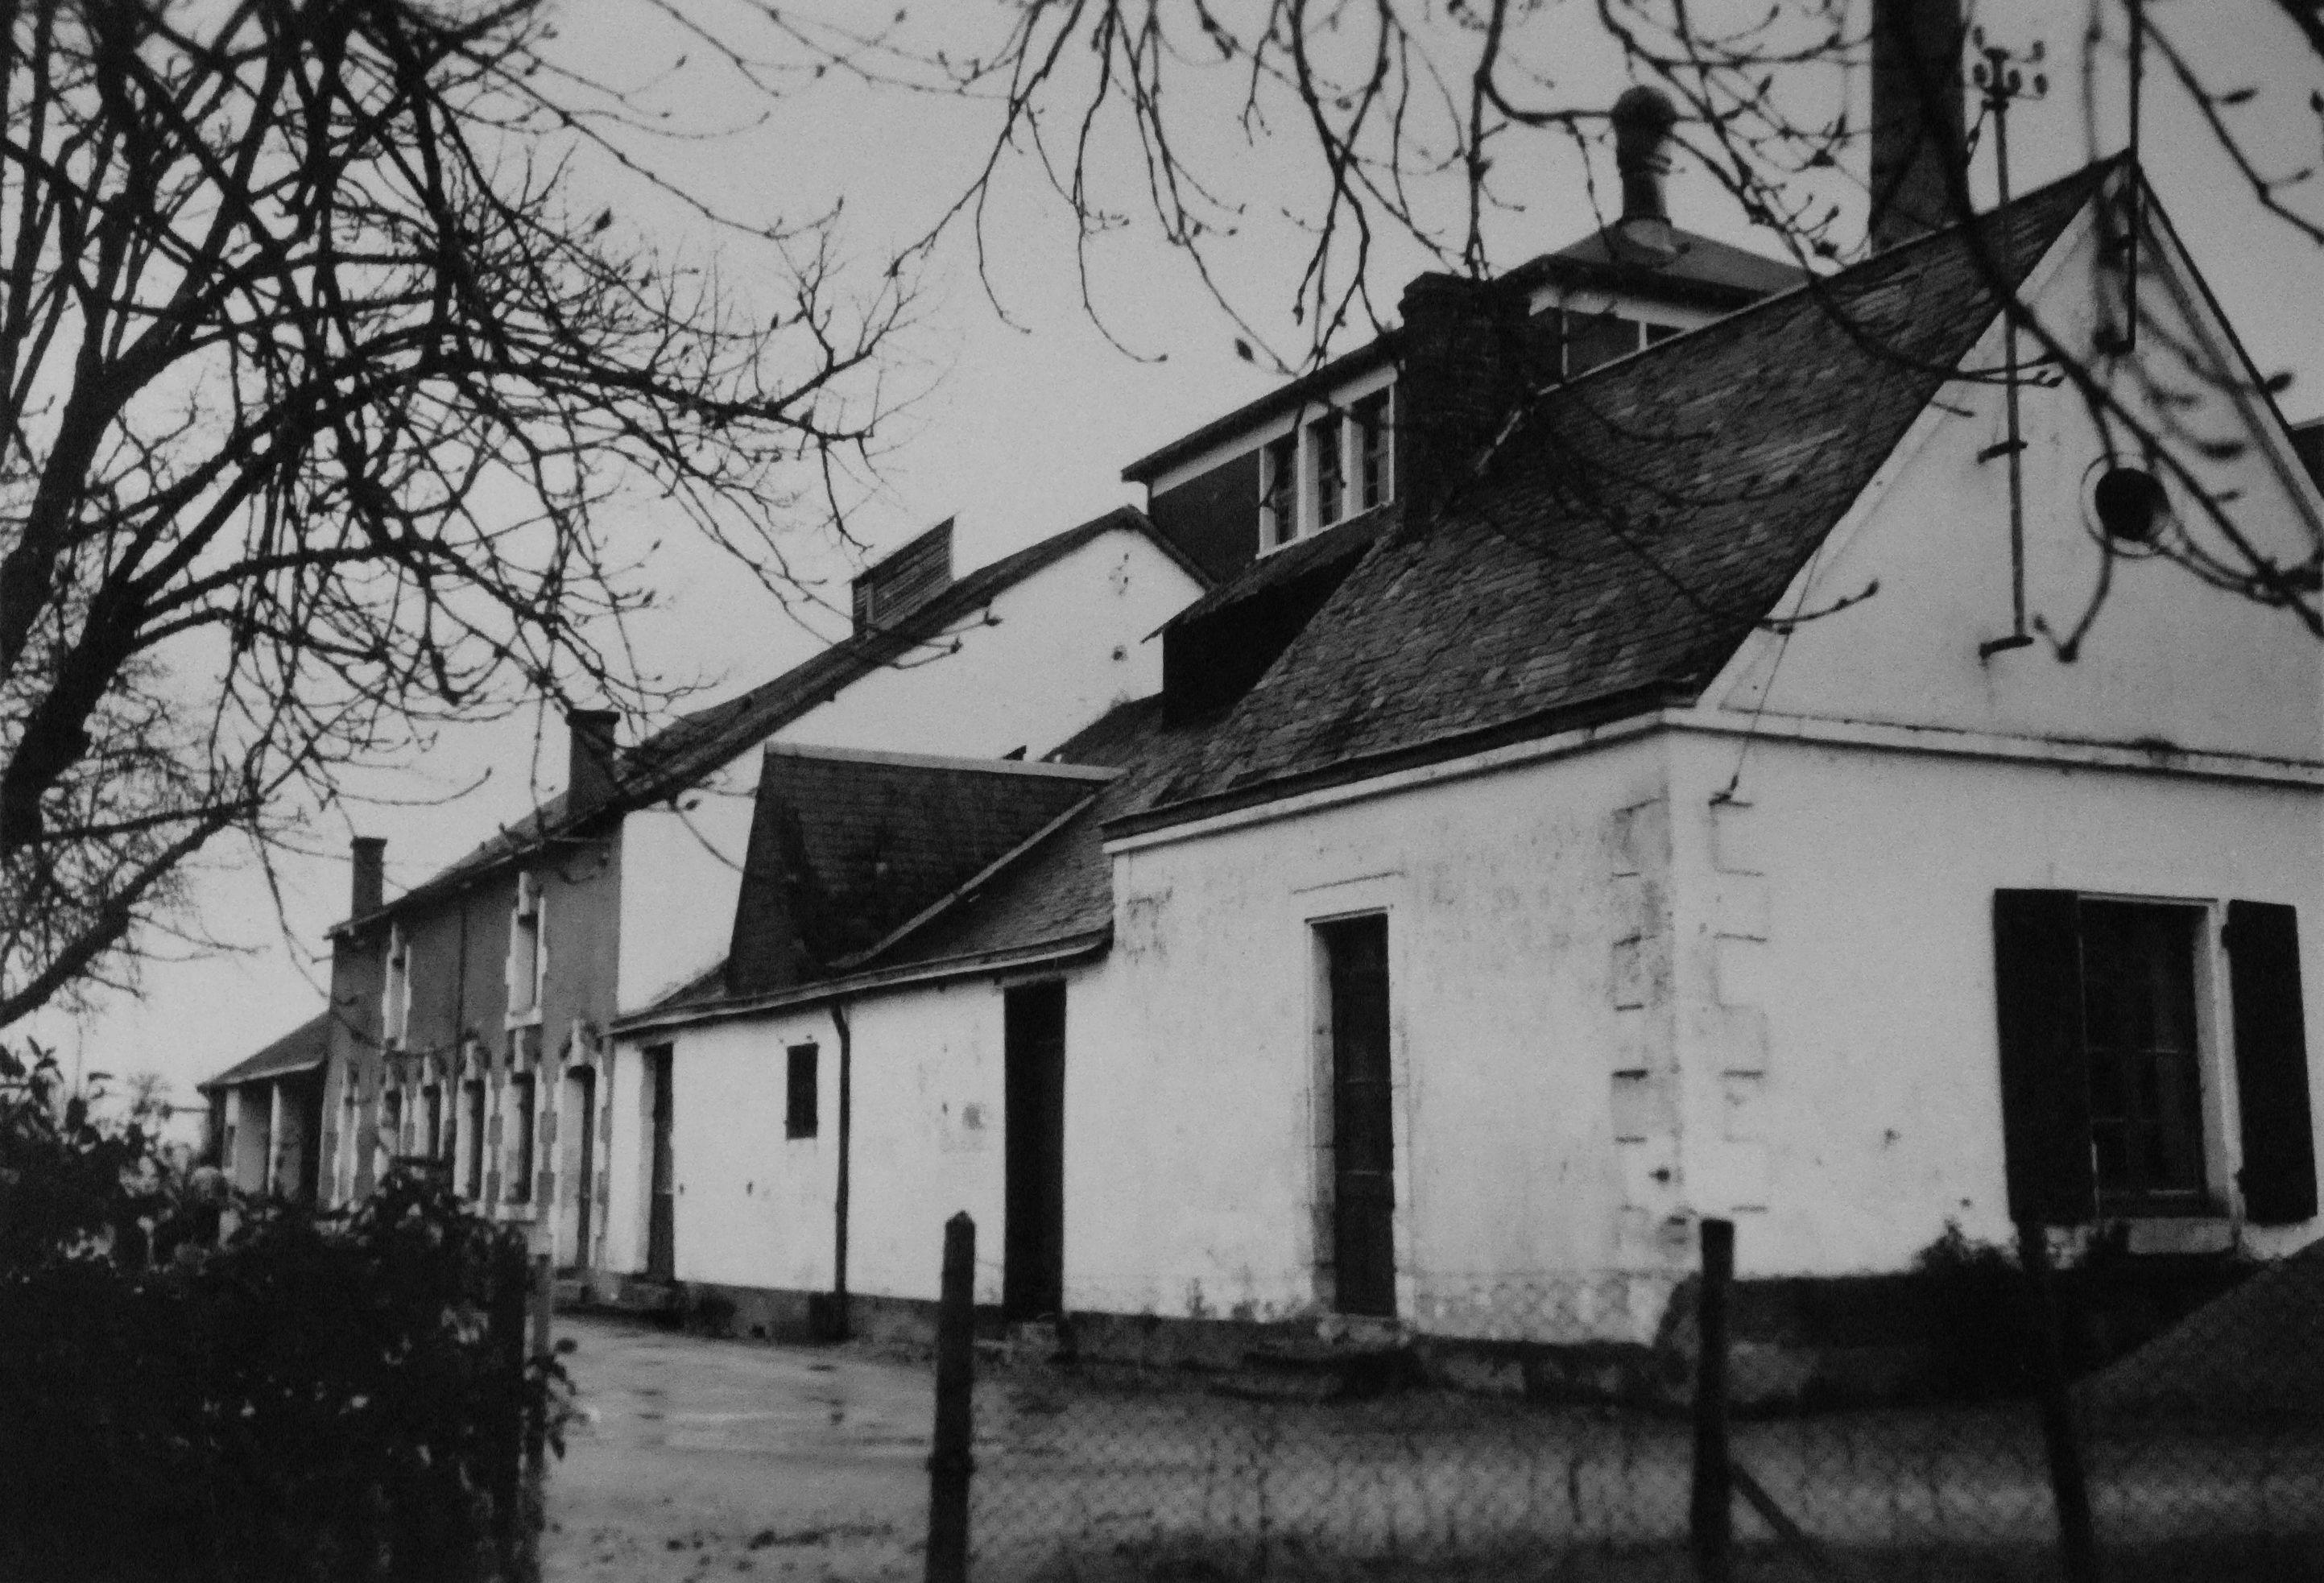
{"x": 1373, "y": 484}
{"x": 2138, "y": 1022}
{"x": 799, "y": 1106}
{"x": 524, "y": 948}
{"x": 1278, "y": 492}
{"x": 1328, "y": 470}
{"x": 395, "y": 999}
{"x": 472, "y": 1129}
{"x": 1362, "y": 1115}
{"x": 520, "y": 1114}
{"x": 431, "y": 1121}
{"x": 391, "y": 1125}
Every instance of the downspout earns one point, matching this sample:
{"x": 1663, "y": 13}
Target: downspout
{"x": 839, "y": 1207}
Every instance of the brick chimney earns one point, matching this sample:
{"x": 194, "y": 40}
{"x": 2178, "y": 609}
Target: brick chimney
{"x": 1460, "y": 371}
{"x": 589, "y": 758}
{"x": 367, "y": 859}
{"x": 1917, "y": 134}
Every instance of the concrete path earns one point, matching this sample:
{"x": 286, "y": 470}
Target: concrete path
{"x": 698, "y": 1458}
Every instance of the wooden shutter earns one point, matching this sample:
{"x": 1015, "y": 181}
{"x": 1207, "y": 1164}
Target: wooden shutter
{"x": 2045, "y": 1104}
{"x": 2279, "y": 1173}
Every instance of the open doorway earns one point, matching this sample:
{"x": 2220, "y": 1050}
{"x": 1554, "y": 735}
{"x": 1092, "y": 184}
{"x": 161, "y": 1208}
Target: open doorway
{"x": 1033, "y": 1230}
{"x": 576, "y": 1131}
{"x": 1362, "y": 1183}
{"x": 661, "y": 1218}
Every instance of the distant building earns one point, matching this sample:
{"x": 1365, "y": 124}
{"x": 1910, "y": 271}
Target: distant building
{"x": 467, "y": 1014}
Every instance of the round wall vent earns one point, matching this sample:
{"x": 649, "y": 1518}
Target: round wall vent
{"x": 2130, "y": 504}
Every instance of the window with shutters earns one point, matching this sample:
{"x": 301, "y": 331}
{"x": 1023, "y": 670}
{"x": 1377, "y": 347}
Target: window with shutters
{"x": 2113, "y": 1081}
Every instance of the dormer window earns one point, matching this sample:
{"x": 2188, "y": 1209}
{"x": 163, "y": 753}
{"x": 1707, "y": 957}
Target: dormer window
{"x": 395, "y": 996}
{"x": 1330, "y": 468}
{"x": 526, "y": 958}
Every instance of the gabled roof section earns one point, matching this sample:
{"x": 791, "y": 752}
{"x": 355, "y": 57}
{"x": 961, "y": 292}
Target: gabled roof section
{"x": 698, "y": 743}
{"x": 1046, "y": 901}
{"x": 302, "y": 1049}
{"x": 1628, "y": 533}
{"x": 846, "y": 849}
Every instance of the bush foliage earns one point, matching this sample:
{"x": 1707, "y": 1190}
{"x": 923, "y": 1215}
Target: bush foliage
{"x": 309, "y": 1398}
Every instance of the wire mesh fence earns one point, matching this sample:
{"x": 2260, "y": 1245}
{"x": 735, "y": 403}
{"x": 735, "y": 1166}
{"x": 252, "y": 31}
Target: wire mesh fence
{"x": 2195, "y": 1441}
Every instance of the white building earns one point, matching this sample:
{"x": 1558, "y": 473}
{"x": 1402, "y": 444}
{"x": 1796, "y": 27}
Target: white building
{"x": 1759, "y": 788}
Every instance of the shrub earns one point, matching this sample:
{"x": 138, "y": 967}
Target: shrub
{"x": 316, "y": 1398}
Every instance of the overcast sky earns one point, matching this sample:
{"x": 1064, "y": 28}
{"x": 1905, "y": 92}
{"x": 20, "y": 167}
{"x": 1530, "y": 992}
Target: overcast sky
{"x": 1025, "y": 424}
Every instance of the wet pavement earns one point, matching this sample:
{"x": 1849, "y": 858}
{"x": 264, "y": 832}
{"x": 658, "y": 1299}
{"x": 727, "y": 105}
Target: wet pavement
{"x": 700, "y": 1458}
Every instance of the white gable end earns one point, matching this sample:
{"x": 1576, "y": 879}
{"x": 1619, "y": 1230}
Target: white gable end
{"x": 2160, "y": 659}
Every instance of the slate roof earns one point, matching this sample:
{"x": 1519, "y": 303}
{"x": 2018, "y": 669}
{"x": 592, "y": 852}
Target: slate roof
{"x": 848, "y": 848}
{"x": 1294, "y": 562}
{"x": 302, "y": 1049}
{"x": 698, "y": 743}
{"x": 1710, "y": 273}
{"x": 1622, "y": 539}
{"x": 1049, "y": 897}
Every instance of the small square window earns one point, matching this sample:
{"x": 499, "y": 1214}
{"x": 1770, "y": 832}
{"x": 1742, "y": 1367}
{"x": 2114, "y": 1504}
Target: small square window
{"x": 799, "y": 1102}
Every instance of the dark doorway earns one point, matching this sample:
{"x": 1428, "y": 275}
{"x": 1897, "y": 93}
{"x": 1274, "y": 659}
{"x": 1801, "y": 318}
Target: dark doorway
{"x": 309, "y": 1097}
{"x": 662, "y": 1221}
{"x": 472, "y": 1129}
{"x": 1033, "y": 1238}
{"x": 1364, "y": 1136}
{"x": 578, "y": 1127}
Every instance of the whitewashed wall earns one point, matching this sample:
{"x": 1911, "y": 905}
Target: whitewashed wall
{"x": 1869, "y": 1112}
{"x": 1046, "y": 658}
{"x": 756, "y": 1208}
{"x": 1194, "y": 1070}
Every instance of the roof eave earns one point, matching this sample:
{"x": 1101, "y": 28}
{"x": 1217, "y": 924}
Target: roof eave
{"x": 1606, "y": 709}
{"x": 1380, "y": 349}
{"x": 1060, "y": 951}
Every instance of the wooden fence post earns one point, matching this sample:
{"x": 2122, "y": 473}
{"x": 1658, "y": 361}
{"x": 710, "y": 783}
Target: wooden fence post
{"x": 949, "y": 1463}
{"x": 2077, "y": 1540}
{"x": 1711, "y": 1524}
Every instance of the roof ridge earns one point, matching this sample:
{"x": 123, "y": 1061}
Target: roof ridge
{"x": 2093, "y": 173}
{"x": 639, "y": 779}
